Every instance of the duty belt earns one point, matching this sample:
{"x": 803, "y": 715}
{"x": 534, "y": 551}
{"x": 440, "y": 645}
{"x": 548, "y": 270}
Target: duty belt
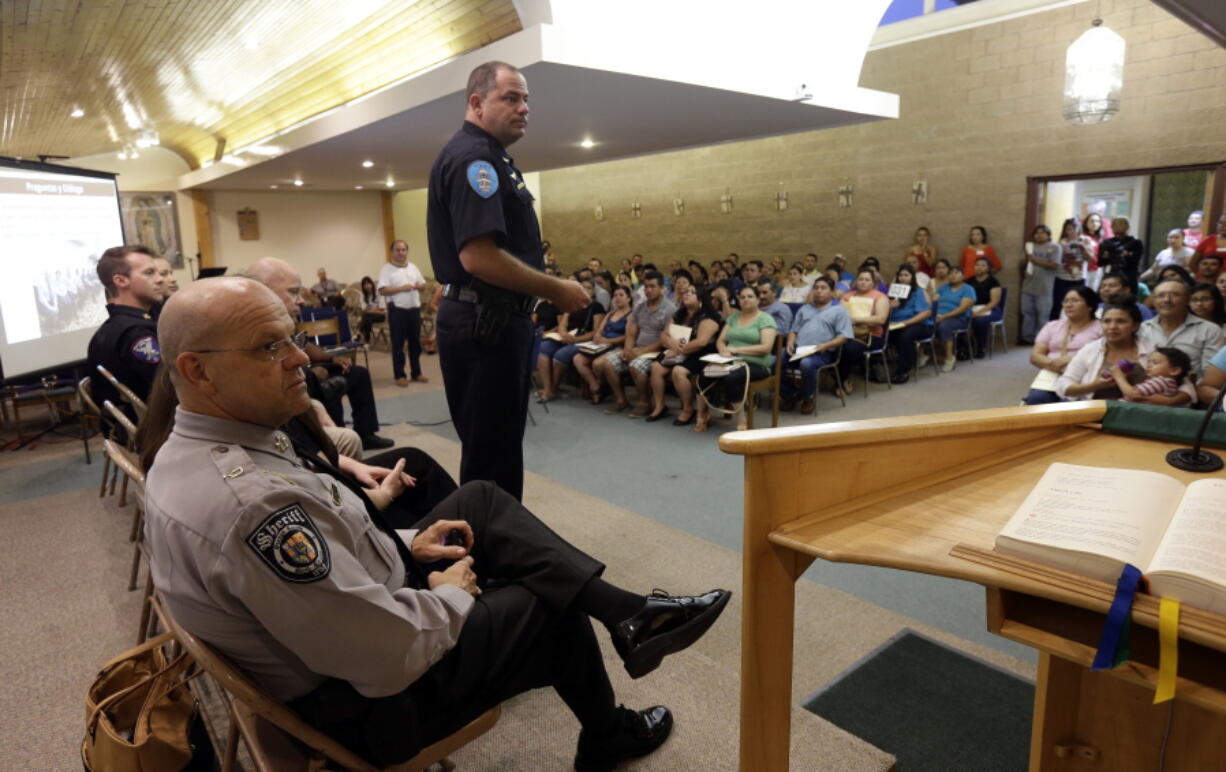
{"x": 490, "y": 295}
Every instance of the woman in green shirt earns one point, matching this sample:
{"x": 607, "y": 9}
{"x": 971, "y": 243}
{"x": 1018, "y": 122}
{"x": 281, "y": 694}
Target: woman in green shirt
{"x": 748, "y": 335}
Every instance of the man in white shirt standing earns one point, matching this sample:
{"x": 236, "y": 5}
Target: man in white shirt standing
{"x": 400, "y": 283}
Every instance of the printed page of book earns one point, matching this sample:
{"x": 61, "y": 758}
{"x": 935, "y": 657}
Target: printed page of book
{"x": 1077, "y": 515}
{"x": 717, "y": 359}
{"x": 680, "y": 332}
{"x": 1194, "y": 545}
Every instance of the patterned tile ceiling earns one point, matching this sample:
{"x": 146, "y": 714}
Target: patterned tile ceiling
{"x": 189, "y": 73}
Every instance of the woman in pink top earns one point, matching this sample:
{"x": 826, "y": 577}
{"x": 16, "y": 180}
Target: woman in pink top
{"x": 868, "y": 308}
{"x": 977, "y": 248}
{"x": 1058, "y": 341}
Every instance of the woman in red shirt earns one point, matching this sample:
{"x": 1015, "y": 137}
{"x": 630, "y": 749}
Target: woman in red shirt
{"x": 977, "y": 248}
{"x": 923, "y": 252}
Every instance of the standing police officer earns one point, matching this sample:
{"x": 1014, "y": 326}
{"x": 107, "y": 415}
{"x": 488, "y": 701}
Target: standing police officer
{"x": 485, "y": 244}
{"x": 127, "y": 344}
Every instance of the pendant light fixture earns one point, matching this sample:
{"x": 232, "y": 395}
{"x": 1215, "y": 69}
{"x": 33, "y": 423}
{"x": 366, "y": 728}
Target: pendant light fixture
{"x": 1094, "y": 75}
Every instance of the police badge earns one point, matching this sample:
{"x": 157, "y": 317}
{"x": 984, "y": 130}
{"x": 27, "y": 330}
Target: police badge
{"x": 146, "y": 349}
{"x": 290, "y": 543}
{"x": 482, "y": 178}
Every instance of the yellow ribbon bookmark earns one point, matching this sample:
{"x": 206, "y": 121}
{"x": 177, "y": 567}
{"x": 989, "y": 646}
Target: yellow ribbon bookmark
{"x": 1168, "y": 658}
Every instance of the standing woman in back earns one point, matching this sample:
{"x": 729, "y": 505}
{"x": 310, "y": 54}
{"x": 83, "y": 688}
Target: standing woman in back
{"x": 923, "y": 254}
{"x": 976, "y": 248}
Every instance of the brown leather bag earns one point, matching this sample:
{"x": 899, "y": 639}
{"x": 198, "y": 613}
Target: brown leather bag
{"x": 139, "y": 712}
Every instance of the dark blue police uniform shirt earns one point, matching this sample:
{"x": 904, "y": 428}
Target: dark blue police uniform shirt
{"x": 475, "y": 190}
{"x": 127, "y": 345}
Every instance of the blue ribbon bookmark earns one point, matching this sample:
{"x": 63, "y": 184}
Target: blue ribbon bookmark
{"x": 1118, "y": 617}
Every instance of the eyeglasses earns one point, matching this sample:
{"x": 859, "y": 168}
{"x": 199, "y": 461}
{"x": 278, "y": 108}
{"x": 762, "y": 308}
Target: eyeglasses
{"x": 276, "y": 351}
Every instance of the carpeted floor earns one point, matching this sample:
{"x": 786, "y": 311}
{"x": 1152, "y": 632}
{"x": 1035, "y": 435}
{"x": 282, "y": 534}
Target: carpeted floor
{"x": 673, "y": 525}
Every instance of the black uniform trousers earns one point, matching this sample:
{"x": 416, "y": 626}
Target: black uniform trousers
{"x": 487, "y": 387}
{"x": 405, "y": 324}
{"x": 361, "y": 398}
{"x": 524, "y": 632}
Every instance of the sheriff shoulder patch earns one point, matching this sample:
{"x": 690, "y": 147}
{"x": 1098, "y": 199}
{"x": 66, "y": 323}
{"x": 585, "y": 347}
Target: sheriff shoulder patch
{"x": 290, "y": 543}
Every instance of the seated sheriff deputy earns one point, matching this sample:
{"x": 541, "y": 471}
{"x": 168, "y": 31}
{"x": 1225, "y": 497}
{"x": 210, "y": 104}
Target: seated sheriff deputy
{"x": 386, "y": 640}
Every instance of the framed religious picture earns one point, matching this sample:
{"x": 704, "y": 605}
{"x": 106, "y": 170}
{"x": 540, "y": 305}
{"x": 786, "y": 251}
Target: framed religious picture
{"x": 248, "y": 224}
{"x": 152, "y": 219}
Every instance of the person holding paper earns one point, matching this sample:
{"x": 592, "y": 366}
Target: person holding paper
{"x": 910, "y": 320}
{"x": 1043, "y": 263}
{"x": 690, "y": 337}
{"x": 1059, "y": 341}
{"x": 869, "y": 308}
{"x": 818, "y": 330}
{"x": 573, "y": 329}
{"x": 609, "y": 334}
{"x": 748, "y": 335}
{"x": 647, "y": 321}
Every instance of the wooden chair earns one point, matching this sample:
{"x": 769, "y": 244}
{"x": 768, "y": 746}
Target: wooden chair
{"x": 318, "y": 329}
{"x": 268, "y": 728}
{"x": 125, "y": 460}
{"x": 121, "y": 420}
{"x": 90, "y": 412}
{"x": 770, "y": 383}
{"x": 129, "y": 396}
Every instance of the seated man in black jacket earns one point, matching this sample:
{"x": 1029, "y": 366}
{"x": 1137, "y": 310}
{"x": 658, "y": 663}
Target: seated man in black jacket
{"x": 281, "y": 277}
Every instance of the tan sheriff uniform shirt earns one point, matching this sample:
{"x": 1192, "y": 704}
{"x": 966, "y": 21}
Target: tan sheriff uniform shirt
{"x": 282, "y": 569}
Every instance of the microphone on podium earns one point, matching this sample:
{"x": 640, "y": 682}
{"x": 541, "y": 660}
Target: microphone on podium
{"x": 1194, "y": 459}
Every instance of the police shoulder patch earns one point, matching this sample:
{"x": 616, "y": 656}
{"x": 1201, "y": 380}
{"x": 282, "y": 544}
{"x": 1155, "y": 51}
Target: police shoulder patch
{"x": 145, "y": 348}
{"x": 482, "y": 178}
{"x": 290, "y": 543}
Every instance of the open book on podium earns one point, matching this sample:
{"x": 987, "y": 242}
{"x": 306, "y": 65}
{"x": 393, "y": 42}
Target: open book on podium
{"x": 1093, "y": 520}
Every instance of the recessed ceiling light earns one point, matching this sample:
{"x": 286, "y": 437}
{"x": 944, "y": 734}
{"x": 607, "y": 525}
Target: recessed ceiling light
{"x": 357, "y": 187}
{"x": 298, "y": 183}
{"x": 274, "y": 187}
{"x": 368, "y": 164}
{"x": 587, "y": 143}
{"x": 77, "y": 112}
{"x": 390, "y": 183}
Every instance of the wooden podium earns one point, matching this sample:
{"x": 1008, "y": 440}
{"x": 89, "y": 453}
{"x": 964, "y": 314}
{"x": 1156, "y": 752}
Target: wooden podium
{"x": 928, "y": 494}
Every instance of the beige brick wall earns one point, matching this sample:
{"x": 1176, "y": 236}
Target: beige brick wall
{"x": 981, "y": 111}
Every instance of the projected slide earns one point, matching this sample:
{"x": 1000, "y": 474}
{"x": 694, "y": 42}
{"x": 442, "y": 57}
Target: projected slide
{"x": 53, "y": 228}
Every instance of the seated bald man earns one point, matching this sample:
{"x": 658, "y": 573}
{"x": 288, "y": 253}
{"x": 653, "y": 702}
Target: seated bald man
{"x": 386, "y": 640}
{"x": 283, "y": 279}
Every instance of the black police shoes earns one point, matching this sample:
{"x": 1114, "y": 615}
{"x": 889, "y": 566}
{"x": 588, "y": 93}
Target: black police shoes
{"x": 375, "y": 442}
{"x": 638, "y": 733}
{"x": 665, "y": 625}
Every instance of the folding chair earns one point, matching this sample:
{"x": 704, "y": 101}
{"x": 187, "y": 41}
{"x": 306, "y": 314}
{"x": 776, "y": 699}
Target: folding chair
{"x": 318, "y": 329}
{"x": 90, "y": 412}
{"x": 769, "y": 383}
{"x": 120, "y": 419}
{"x": 268, "y": 728}
{"x": 970, "y": 343}
{"x": 833, "y": 367}
{"x": 129, "y": 396}
{"x": 885, "y": 364}
{"x": 932, "y": 354}
{"x": 999, "y": 324}
{"x": 126, "y": 462}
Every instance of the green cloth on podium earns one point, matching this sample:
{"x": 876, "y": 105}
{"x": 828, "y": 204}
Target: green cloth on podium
{"x": 1156, "y": 422}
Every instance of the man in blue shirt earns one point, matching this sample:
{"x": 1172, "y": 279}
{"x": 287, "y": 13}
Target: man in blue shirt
{"x": 824, "y": 325}
{"x": 768, "y": 301}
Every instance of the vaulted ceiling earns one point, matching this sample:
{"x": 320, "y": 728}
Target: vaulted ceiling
{"x": 189, "y": 74}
